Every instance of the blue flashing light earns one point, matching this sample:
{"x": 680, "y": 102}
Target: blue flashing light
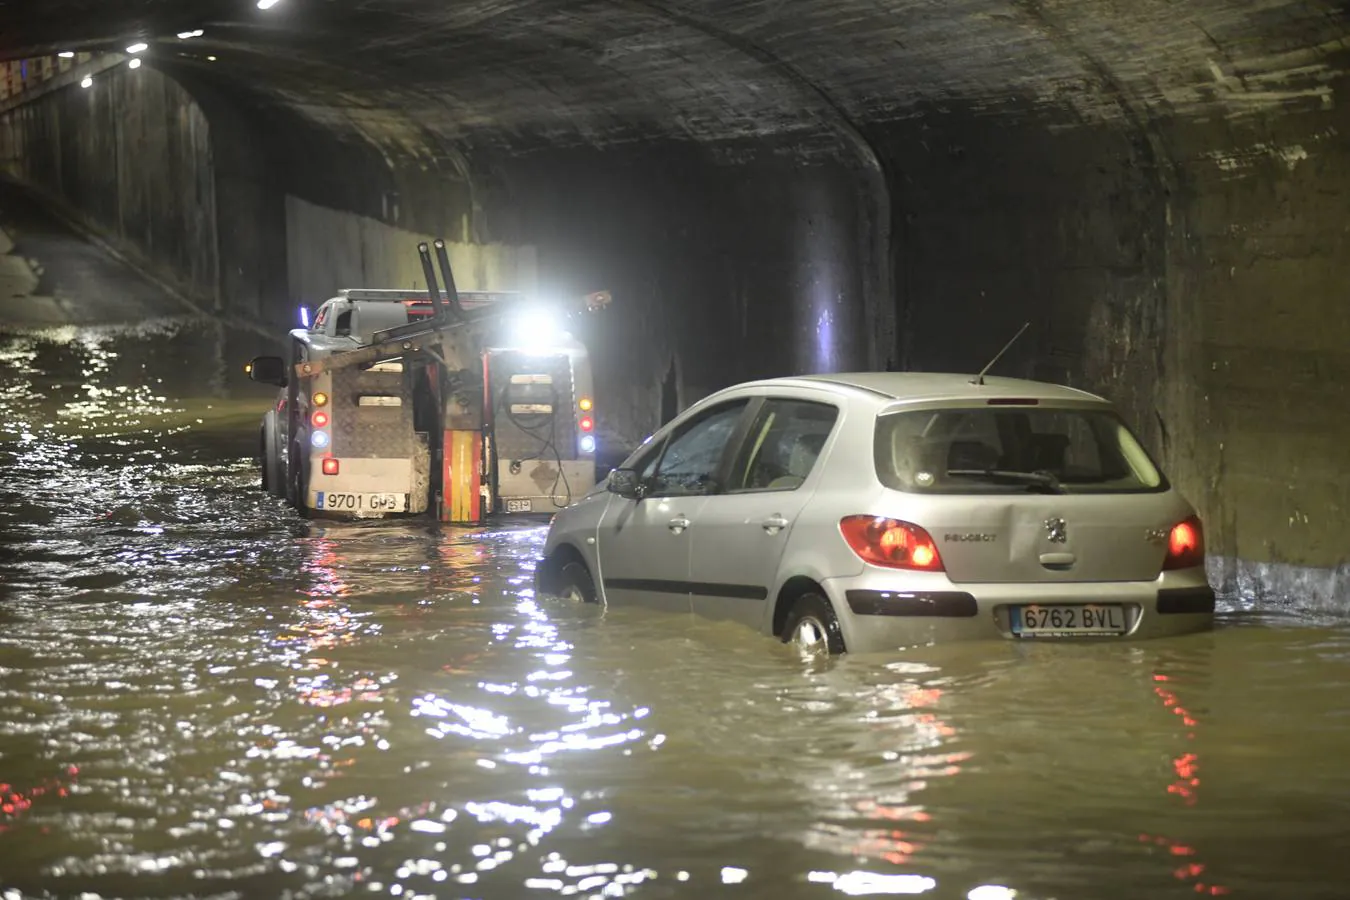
{"x": 319, "y": 438}
{"x": 588, "y": 443}
{"x": 304, "y": 316}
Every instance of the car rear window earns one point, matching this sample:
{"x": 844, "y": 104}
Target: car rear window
{"x": 983, "y": 450}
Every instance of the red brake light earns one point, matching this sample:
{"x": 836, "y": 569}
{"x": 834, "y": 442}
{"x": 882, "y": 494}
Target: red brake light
{"x": 587, "y": 423}
{"x": 1185, "y": 545}
{"x": 330, "y": 466}
{"x": 891, "y": 543}
{"x": 320, "y": 419}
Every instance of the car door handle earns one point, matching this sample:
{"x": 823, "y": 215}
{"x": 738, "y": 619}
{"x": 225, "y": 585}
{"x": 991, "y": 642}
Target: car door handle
{"x": 678, "y": 524}
{"x": 1058, "y": 560}
{"x": 774, "y": 524}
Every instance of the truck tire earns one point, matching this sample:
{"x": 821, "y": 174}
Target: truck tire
{"x": 272, "y": 473}
{"x": 296, "y": 486}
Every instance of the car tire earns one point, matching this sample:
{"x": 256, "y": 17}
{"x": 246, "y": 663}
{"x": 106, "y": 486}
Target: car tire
{"x": 576, "y": 584}
{"x": 813, "y": 627}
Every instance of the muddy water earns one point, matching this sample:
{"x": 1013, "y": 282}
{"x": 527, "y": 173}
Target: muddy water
{"x": 205, "y": 696}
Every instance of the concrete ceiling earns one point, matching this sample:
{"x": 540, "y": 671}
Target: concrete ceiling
{"x": 605, "y": 72}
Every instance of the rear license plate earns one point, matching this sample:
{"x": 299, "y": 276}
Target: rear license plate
{"x": 1065, "y": 619}
{"x": 518, "y": 506}
{"x": 369, "y": 503}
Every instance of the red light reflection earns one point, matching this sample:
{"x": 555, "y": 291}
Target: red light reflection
{"x": 15, "y": 802}
{"x": 895, "y": 845}
{"x": 1186, "y": 786}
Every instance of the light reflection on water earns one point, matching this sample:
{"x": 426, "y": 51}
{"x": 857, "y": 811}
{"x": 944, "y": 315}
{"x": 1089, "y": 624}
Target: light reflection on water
{"x": 205, "y": 695}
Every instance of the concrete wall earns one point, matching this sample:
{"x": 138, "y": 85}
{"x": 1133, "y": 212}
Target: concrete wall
{"x": 328, "y": 249}
{"x": 721, "y": 271}
{"x": 1194, "y": 272}
{"x": 131, "y": 156}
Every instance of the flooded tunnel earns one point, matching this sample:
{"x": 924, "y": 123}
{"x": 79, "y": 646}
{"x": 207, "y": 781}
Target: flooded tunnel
{"x": 207, "y": 695}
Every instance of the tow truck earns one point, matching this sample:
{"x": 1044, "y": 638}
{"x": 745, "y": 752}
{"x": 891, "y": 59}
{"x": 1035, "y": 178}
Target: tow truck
{"x": 397, "y": 402}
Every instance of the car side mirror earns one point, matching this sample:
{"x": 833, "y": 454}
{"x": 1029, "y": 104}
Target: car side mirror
{"x": 625, "y": 483}
{"x": 267, "y": 370}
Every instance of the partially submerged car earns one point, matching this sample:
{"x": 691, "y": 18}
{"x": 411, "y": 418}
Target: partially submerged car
{"x": 866, "y": 512}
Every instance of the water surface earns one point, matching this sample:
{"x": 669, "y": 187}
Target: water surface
{"x": 206, "y": 696}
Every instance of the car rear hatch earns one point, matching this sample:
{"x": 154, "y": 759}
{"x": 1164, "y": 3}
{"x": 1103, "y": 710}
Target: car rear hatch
{"x": 1028, "y": 492}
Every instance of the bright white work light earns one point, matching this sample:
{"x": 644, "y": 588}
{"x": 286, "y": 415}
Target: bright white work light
{"x": 534, "y": 329}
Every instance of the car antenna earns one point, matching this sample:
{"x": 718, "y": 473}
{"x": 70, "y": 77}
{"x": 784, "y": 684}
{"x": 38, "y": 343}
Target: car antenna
{"x": 979, "y": 379}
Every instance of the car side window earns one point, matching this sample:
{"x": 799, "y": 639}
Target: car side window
{"x": 783, "y": 445}
{"x": 692, "y": 455}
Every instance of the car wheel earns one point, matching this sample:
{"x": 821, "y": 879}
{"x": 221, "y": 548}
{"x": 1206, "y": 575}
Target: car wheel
{"x": 576, "y": 584}
{"x": 813, "y": 627}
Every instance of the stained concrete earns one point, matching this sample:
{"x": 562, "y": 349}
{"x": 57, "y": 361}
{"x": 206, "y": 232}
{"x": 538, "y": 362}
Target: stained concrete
{"x": 773, "y": 187}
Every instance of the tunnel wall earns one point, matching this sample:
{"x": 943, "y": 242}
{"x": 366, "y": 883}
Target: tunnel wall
{"x": 1191, "y": 270}
{"x": 131, "y": 158}
{"x": 330, "y": 249}
{"x": 1194, "y": 272}
{"x": 722, "y": 268}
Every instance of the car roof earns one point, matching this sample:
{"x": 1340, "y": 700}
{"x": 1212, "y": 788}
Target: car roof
{"x": 932, "y": 386}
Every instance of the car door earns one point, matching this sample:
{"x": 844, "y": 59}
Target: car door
{"x": 742, "y": 531}
{"x": 644, "y": 543}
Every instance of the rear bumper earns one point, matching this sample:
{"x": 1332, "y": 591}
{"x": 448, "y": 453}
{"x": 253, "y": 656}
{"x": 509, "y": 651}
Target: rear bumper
{"x": 879, "y": 611}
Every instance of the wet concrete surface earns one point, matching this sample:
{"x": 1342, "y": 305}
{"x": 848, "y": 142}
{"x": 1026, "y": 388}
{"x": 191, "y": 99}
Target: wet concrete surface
{"x": 206, "y": 696}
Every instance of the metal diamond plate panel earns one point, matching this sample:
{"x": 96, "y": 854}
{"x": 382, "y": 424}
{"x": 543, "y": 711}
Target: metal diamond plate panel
{"x": 533, "y": 435}
{"x": 372, "y": 431}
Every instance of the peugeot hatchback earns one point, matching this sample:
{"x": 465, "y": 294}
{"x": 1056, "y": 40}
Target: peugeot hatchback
{"x": 866, "y": 512}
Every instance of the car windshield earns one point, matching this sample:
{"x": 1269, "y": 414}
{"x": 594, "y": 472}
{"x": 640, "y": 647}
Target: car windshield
{"x": 984, "y": 450}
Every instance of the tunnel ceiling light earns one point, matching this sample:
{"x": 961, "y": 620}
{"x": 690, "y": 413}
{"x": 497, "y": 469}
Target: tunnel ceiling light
{"x": 67, "y": 54}
{"x": 186, "y": 35}
{"x": 88, "y": 81}
{"x": 210, "y": 59}
{"x": 138, "y": 47}
{"x": 135, "y": 64}
{"x": 267, "y": 4}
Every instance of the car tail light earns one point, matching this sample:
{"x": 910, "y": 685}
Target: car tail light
{"x": 891, "y": 543}
{"x": 1185, "y": 545}
{"x": 587, "y": 423}
{"x": 330, "y": 466}
{"x": 320, "y": 419}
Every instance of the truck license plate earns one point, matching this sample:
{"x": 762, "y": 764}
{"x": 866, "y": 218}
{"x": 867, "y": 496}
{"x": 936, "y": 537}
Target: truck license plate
{"x": 518, "y": 506}
{"x": 377, "y": 503}
{"x": 1065, "y": 619}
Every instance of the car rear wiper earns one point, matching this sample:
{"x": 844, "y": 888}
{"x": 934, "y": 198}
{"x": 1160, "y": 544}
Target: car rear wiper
{"x": 1031, "y": 479}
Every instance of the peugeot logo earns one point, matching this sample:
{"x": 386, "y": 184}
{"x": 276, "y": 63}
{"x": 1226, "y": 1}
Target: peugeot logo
{"x": 1056, "y": 531}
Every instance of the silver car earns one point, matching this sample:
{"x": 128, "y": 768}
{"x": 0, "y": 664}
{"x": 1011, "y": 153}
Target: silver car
{"x": 866, "y": 512}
